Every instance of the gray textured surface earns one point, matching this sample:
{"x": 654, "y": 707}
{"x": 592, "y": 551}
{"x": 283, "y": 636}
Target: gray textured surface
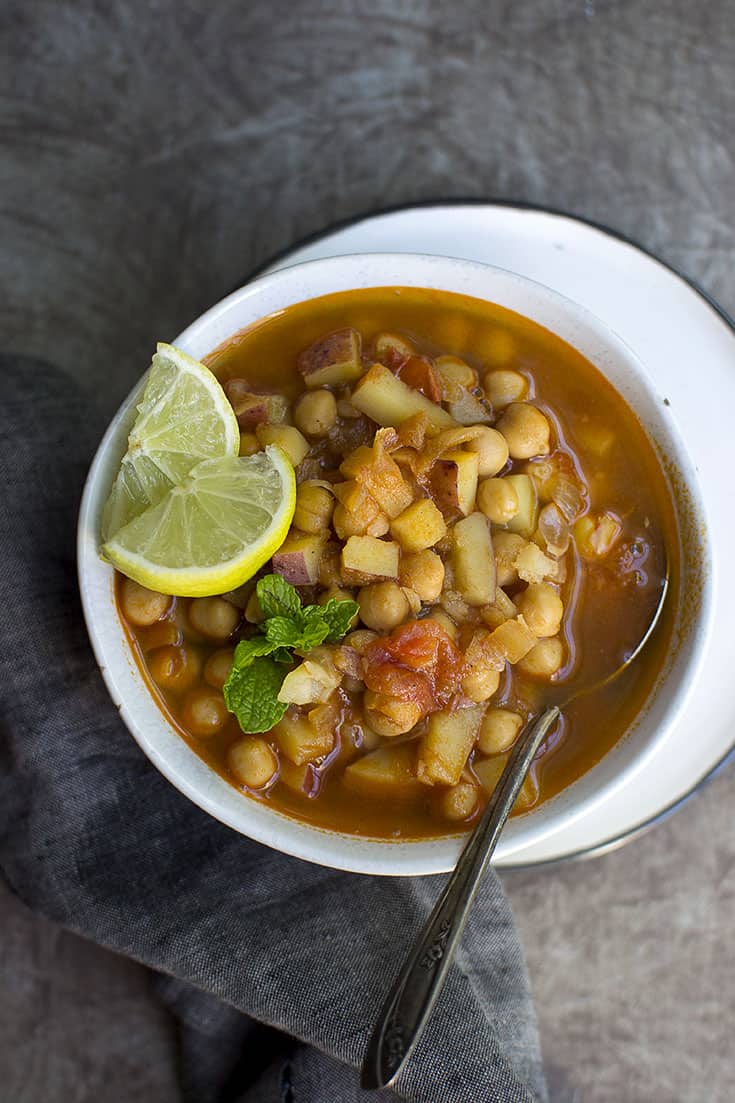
{"x": 153, "y": 155}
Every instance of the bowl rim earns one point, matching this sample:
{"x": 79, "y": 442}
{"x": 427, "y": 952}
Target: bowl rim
{"x": 311, "y": 842}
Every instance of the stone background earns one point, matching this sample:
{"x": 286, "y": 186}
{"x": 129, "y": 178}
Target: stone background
{"x": 152, "y": 154}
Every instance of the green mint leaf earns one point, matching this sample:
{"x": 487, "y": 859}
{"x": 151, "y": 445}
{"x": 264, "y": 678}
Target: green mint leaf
{"x": 314, "y": 628}
{"x": 278, "y": 598}
{"x": 283, "y": 655}
{"x": 249, "y": 650}
{"x": 251, "y": 693}
{"x": 283, "y": 631}
{"x": 337, "y": 615}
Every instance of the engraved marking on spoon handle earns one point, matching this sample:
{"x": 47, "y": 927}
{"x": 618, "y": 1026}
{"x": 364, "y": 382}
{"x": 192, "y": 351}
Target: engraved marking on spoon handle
{"x": 407, "y": 1008}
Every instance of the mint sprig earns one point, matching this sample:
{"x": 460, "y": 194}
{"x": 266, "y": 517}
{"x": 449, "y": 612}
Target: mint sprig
{"x": 261, "y": 663}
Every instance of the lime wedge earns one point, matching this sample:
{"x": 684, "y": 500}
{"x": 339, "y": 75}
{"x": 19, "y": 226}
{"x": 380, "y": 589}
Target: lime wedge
{"x": 183, "y": 418}
{"x": 213, "y": 531}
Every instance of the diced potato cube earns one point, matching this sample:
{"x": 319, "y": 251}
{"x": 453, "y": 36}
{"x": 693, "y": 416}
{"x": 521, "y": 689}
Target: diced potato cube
{"x": 445, "y": 746}
{"x": 454, "y": 482}
{"x": 388, "y": 401}
{"x": 299, "y": 779}
{"x": 388, "y": 772}
{"x": 310, "y": 683}
{"x": 371, "y": 558}
{"x": 419, "y": 527}
{"x": 526, "y": 519}
{"x": 533, "y": 566}
{"x": 289, "y": 439}
{"x": 298, "y": 558}
{"x": 331, "y": 360}
{"x": 300, "y": 741}
{"x": 473, "y": 560}
{"x": 253, "y": 409}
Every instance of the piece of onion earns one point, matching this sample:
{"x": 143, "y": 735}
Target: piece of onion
{"x": 554, "y": 529}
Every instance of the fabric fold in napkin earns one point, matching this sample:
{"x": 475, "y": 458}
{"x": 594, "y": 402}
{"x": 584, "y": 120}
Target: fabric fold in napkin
{"x": 275, "y": 968}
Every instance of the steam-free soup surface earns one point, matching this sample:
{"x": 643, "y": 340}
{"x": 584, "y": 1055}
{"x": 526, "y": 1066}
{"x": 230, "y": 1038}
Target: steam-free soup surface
{"x": 439, "y": 674}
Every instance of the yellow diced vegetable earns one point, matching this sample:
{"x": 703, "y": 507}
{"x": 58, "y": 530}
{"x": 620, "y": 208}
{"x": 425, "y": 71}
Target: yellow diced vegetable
{"x": 388, "y": 772}
{"x": 387, "y": 400}
{"x": 299, "y": 556}
{"x": 331, "y": 360}
{"x": 371, "y": 558}
{"x": 300, "y": 741}
{"x": 454, "y": 481}
{"x": 419, "y": 527}
{"x": 473, "y": 560}
{"x": 533, "y": 566}
{"x": 445, "y": 746}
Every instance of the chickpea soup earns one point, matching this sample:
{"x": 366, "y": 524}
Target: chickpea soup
{"x": 498, "y": 519}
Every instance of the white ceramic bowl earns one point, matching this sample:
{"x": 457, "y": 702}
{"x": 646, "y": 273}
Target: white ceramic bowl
{"x": 174, "y": 758}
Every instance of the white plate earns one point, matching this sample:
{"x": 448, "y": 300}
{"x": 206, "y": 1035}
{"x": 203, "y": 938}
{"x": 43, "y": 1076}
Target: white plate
{"x": 688, "y": 346}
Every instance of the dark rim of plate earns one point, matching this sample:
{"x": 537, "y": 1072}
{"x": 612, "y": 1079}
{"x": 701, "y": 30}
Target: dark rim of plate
{"x": 633, "y": 832}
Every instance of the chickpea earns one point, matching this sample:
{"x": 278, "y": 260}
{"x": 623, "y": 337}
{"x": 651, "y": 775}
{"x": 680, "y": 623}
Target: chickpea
{"x": 492, "y": 448}
{"x": 504, "y": 387}
{"x": 141, "y": 606}
{"x": 480, "y": 682}
{"x": 213, "y": 617}
{"x": 526, "y": 430}
{"x": 542, "y": 608}
{"x": 506, "y": 546}
{"x": 389, "y": 716}
{"x": 543, "y": 660}
{"x": 498, "y": 731}
{"x": 444, "y": 621}
{"x": 423, "y": 572}
{"x": 314, "y": 508}
{"x": 253, "y": 762}
{"x": 383, "y": 605}
{"x": 498, "y": 500}
{"x": 458, "y": 802}
{"x": 218, "y": 666}
{"x": 315, "y": 413}
{"x": 175, "y": 668}
{"x": 249, "y": 444}
{"x": 204, "y": 712}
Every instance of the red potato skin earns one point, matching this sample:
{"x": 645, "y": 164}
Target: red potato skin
{"x": 292, "y": 566}
{"x": 252, "y": 409}
{"x": 340, "y": 347}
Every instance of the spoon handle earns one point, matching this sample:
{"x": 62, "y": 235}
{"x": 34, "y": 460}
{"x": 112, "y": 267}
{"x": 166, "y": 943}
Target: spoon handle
{"x": 408, "y": 1006}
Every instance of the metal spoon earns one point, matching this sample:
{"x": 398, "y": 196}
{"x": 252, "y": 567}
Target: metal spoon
{"x": 411, "y": 999}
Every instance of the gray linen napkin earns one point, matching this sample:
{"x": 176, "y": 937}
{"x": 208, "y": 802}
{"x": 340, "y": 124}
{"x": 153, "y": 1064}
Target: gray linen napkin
{"x": 275, "y": 968}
